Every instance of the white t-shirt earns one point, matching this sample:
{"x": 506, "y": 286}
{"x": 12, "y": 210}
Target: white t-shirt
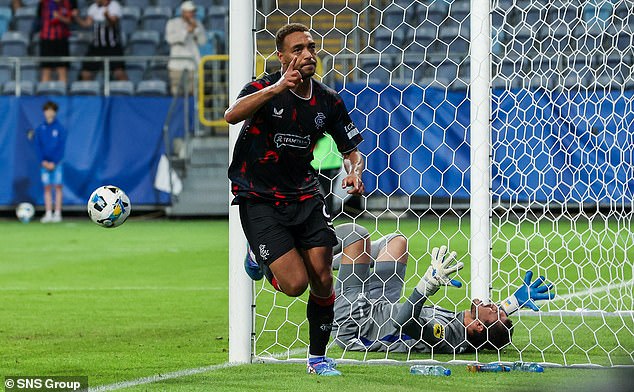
{"x": 104, "y": 34}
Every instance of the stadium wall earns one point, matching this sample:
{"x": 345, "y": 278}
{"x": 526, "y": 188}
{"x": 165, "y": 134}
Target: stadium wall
{"x": 111, "y": 140}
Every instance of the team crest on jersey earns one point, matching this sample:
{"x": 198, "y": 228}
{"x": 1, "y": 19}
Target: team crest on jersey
{"x": 278, "y": 112}
{"x": 320, "y": 120}
{"x": 439, "y": 331}
{"x": 264, "y": 253}
{"x": 283, "y": 139}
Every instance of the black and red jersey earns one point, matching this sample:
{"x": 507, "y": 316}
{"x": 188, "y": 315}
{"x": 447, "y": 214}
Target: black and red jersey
{"x": 271, "y": 159}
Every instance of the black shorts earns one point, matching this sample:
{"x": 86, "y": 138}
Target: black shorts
{"x": 94, "y": 66}
{"x": 54, "y": 47}
{"x": 274, "y": 228}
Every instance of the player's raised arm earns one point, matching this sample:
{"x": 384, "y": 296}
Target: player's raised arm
{"x": 246, "y": 106}
{"x": 527, "y": 293}
{"x": 438, "y": 274}
{"x": 353, "y": 163}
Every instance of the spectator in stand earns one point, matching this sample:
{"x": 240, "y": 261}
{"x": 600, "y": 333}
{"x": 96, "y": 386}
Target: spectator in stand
{"x": 55, "y": 17}
{"x": 104, "y": 16}
{"x": 184, "y": 34}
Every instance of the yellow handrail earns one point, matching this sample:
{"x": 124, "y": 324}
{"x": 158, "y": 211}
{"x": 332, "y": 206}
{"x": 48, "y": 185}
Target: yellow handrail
{"x": 201, "y": 90}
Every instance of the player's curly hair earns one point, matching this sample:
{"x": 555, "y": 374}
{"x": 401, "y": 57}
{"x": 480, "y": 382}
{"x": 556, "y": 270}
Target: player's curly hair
{"x": 495, "y": 336}
{"x": 286, "y": 30}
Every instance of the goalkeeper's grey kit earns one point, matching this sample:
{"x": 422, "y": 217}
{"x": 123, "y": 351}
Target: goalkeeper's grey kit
{"x": 368, "y": 315}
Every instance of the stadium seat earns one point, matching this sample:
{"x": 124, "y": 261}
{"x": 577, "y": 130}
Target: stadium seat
{"x": 155, "y": 18}
{"x": 425, "y": 34}
{"x": 24, "y": 18}
{"x": 142, "y": 4}
{"x": 85, "y": 87}
{"x": 434, "y": 12}
{"x": 130, "y": 19}
{"x": 378, "y": 69}
{"x": 6, "y": 73}
{"x": 135, "y": 70}
{"x": 6, "y": 3}
{"x": 151, "y": 87}
{"x": 158, "y": 71}
{"x": 623, "y": 41}
{"x": 459, "y": 10}
{"x": 217, "y": 18}
{"x": 51, "y": 88}
{"x": 26, "y": 87}
{"x": 566, "y": 15}
{"x": 393, "y": 16}
{"x": 14, "y": 43}
{"x": 169, "y": 3}
{"x": 211, "y": 46}
{"x": 143, "y": 43}
{"x": 122, "y": 87}
{"x": 78, "y": 43}
{"x": 29, "y": 71}
{"x": 5, "y": 18}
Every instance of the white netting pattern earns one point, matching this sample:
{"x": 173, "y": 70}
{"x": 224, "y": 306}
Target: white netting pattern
{"x": 562, "y": 177}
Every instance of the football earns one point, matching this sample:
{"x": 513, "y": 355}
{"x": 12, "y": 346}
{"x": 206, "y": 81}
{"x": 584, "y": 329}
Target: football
{"x": 25, "y": 212}
{"x": 108, "y": 206}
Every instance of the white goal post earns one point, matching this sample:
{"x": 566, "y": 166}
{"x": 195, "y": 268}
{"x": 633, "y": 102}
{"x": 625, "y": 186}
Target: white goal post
{"x": 500, "y": 128}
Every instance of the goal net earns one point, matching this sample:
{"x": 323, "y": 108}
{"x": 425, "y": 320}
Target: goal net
{"x": 560, "y": 175}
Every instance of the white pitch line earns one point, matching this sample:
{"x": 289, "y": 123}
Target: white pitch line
{"x": 593, "y": 290}
{"x": 161, "y": 377}
{"x": 116, "y": 288}
{"x": 180, "y": 373}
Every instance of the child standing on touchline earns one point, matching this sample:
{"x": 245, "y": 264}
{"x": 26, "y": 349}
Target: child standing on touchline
{"x": 50, "y": 140}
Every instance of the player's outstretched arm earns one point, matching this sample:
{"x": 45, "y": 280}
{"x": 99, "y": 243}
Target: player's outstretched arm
{"x": 442, "y": 265}
{"x": 527, "y": 293}
{"x": 353, "y": 163}
{"x": 246, "y": 106}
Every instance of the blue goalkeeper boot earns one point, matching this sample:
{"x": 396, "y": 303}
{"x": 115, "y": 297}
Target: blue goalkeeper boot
{"x": 323, "y": 366}
{"x": 251, "y": 267}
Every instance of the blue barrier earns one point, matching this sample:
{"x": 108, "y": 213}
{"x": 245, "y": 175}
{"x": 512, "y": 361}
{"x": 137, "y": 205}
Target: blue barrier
{"x": 111, "y": 140}
{"x": 547, "y": 146}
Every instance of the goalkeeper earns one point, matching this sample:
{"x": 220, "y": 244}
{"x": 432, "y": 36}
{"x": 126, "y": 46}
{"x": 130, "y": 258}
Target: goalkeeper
{"x": 369, "y": 317}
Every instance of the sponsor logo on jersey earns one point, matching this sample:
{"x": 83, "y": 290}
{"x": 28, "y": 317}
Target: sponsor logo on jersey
{"x": 320, "y": 120}
{"x": 264, "y": 253}
{"x": 351, "y": 130}
{"x": 439, "y": 331}
{"x": 55, "y": 133}
{"x": 283, "y": 139}
{"x": 278, "y": 112}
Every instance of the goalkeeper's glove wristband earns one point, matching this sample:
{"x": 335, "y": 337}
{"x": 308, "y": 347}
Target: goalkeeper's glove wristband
{"x": 427, "y": 288}
{"x": 510, "y": 305}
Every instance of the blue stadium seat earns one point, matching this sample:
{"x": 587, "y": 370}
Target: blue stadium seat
{"x": 434, "y": 12}
{"x": 378, "y": 69}
{"x": 130, "y": 17}
{"x": 6, "y": 3}
{"x": 24, "y": 18}
{"x": 122, "y": 87}
{"x": 26, "y": 86}
{"x": 158, "y": 71}
{"x": 29, "y": 71}
{"x": 211, "y": 46}
{"x": 6, "y": 73}
{"x": 392, "y": 16}
{"x": 144, "y": 43}
{"x": 85, "y": 87}
{"x": 566, "y": 15}
{"x": 155, "y": 18}
{"x": 169, "y": 3}
{"x": 459, "y": 10}
{"x": 384, "y": 41}
{"x": 78, "y": 43}
{"x": 623, "y": 41}
{"x": 14, "y": 43}
{"x": 151, "y": 87}
{"x": 142, "y": 4}
{"x": 217, "y": 18}
{"x": 135, "y": 70}
{"x": 5, "y": 18}
{"x": 51, "y": 88}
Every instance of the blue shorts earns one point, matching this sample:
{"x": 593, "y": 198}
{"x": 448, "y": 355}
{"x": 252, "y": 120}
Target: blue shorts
{"x": 52, "y": 177}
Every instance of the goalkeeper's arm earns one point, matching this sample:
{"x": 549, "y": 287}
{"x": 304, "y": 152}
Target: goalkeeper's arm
{"x": 437, "y": 275}
{"x": 527, "y": 293}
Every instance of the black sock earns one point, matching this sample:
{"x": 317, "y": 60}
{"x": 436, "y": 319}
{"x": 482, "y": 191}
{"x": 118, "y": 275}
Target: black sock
{"x": 320, "y": 314}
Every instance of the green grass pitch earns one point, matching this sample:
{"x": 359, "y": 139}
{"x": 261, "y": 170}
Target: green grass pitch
{"x": 150, "y": 298}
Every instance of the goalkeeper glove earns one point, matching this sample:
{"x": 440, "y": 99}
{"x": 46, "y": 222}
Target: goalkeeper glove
{"x": 527, "y": 294}
{"x": 438, "y": 272}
